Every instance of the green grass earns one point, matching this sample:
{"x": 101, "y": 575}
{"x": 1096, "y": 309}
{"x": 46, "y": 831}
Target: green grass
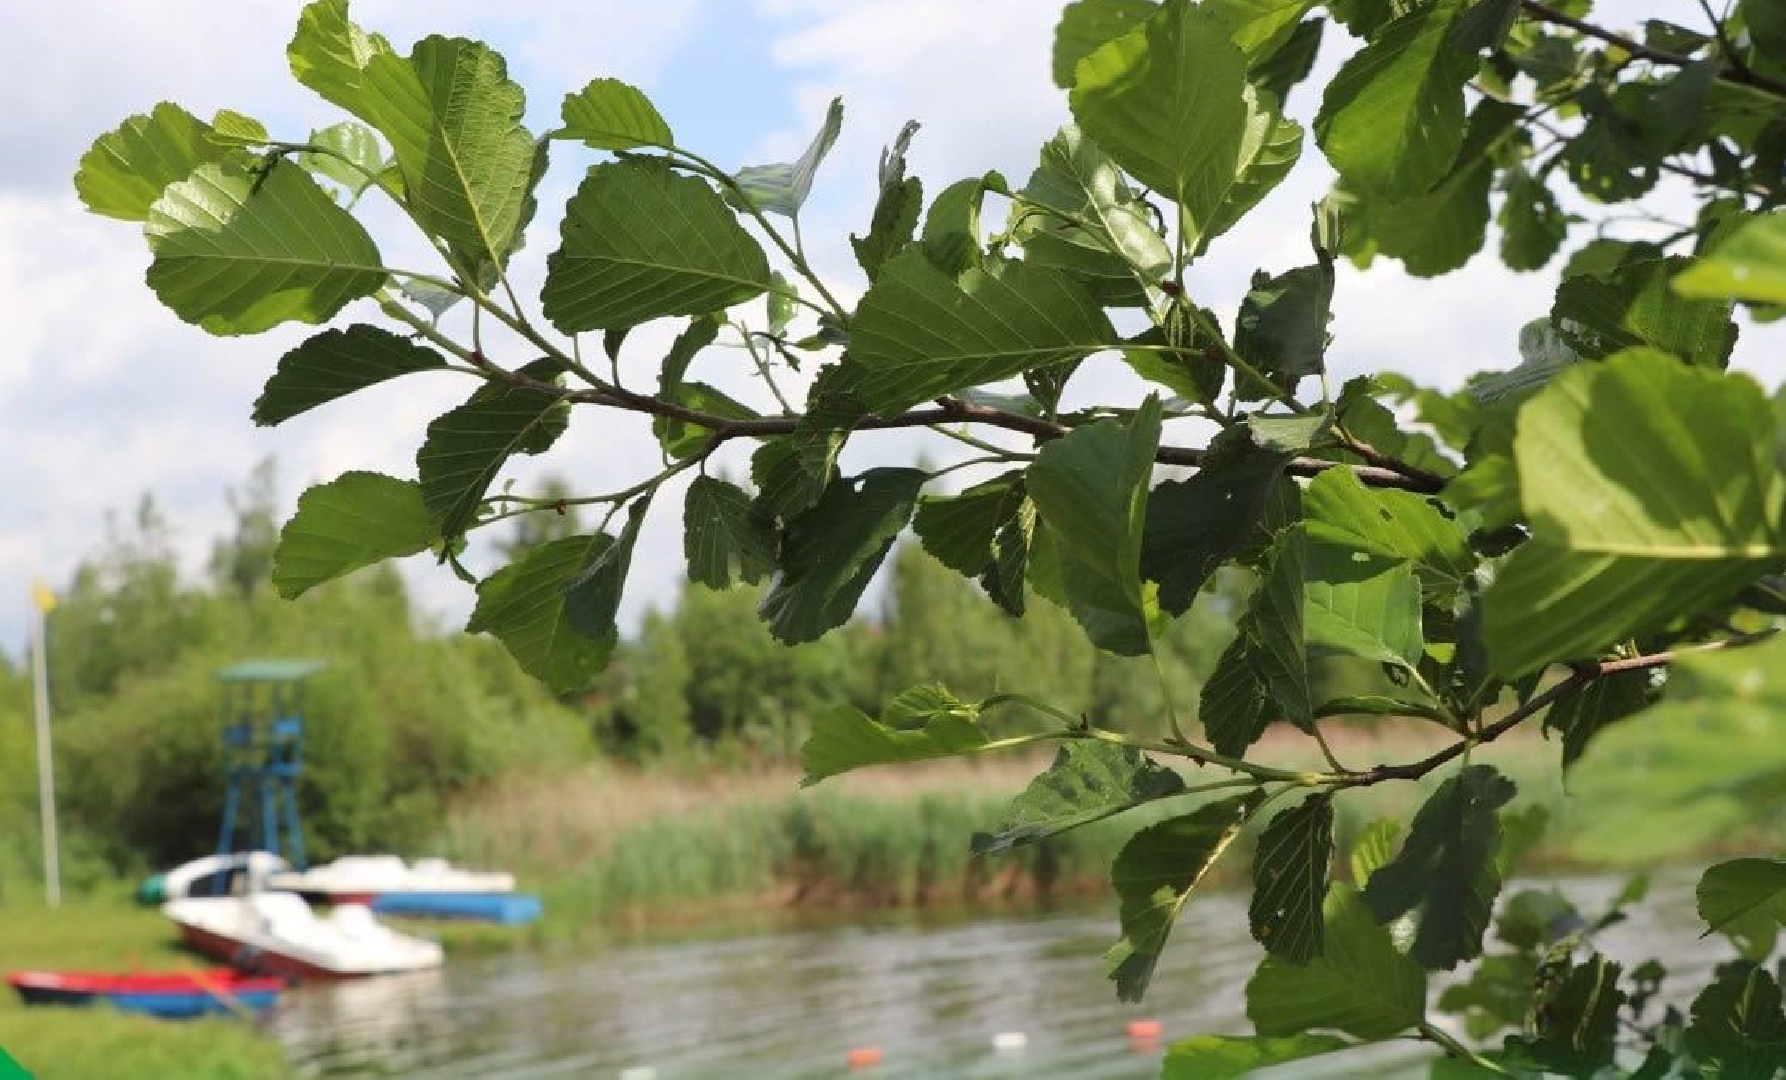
{"x": 635, "y": 851}
{"x": 107, "y": 933}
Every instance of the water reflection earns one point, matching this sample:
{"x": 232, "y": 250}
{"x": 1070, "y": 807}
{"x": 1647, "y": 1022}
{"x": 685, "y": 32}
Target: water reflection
{"x": 791, "y": 1004}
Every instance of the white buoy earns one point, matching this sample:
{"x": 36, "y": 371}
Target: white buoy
{"x": 1010, "y": 1042}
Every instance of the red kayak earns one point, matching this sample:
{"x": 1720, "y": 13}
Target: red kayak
{"x": 169, "y": 994}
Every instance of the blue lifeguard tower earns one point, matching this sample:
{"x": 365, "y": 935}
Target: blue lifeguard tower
{"x": 263, "y": 755}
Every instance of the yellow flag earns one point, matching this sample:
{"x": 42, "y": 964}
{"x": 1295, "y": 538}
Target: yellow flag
{"x": 43, "y": 596}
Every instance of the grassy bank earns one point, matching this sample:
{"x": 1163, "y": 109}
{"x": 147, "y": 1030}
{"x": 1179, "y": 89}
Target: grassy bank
{"x": 619, "y": 851}
{"x": 105, "y": 932}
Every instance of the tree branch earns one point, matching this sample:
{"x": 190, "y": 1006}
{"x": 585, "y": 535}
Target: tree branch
{"x": 1381, "y": 472}
{"x": 1580, "y": 676}
{"x": 1739, "y": 75}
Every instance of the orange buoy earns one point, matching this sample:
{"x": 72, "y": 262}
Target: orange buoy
{"x": 863, "y": 1057}
{"x": 1145, "y": 1030}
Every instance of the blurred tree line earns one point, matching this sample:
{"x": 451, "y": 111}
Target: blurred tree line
{"x": 407, "y": 717}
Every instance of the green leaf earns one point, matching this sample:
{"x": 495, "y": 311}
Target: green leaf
{"x": 1653, "y": 493}
{"x": 1270, "y": 147}
{"x": 1086, "y": 24}
{"x": 126, "y": 170}
{"x": 239, "y": 251}
{"x": 1077, "y": 179}
{"x": 680, "y": 438}
{"x": 336, "y": 363}
{"x": 792, "y": 472}
{"x": 920, "y": 334}
{"x": 1260, "y": 27}
{"x": 1290, "y": 871}
{"x": 1273, "y": 627}
{"x": 896, "y": 210}
{"x": 350, "y": 155}
{"x": 962, "y": 530}
{"x": 611, "y": 115}
{"x": 592, "y": 597}
{"x": 724, "y": 542}
{"x": 1606, "y": 160}
{"x": 1340, "y": 510}
{"x": 1196, "y": 525}
{"x": 1088, "y": 781}
{"x": 1738, "y": 1029}
{"x": 523, "y": 605}
{"x": 329, "y": 55}
{"x": 1437, "y": 231}
{"x": 1179, "y": 356}
{"x": 1361, "y": 605}
{"x": 782, "y": 189}
{"x": 1292, "y": 433}
{"x": 1533, "y": 226}
{"x": 1359, "y": 985}
{"x": 354, "y": 520}
{"x": 1006, "y": 577}
{"x": 453, "y": 119}
{"x": 1742, "y": 889}
{"x": 1636, "y": 305}
{"x": 1155, "y": 874}
{"x": 697, "y": 335}
{"x": 1169, "y": 102}
{"x": 1767, "y": 26}
{"x": 1446, "y": 868}
{"x": 1496, "y": 997}
{"x": 1750, "y": 265}
{"x": 639, "y": 243}
{"x": 831, "y": 551}
{"x": 1373, "y": 849}
{"x": 1575, "y": 1018}
{"x": 845, "y": 738}
{"x": 1233, "y": 707}
{"x": 1090, "y": 488}
{"x": 1222, "y": 1057}
{"x": 467, "y": 446}
{"x": 1370, "y": 421}
{"x": 1718, "y": 729}
{"x": 1282, "y": 328}
{"x": 952, "y": 234}
{"x": 1543, "y": 352}
{"x": 1392, "y": 119}
{"x": 1289, "y": 64}
{"x": 1581, "y": 715}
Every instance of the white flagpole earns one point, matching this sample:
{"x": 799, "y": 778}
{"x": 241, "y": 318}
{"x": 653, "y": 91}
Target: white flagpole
{"x": 42, "y": 601}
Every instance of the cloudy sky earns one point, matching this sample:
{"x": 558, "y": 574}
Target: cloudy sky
{"x": 105, "y": 396}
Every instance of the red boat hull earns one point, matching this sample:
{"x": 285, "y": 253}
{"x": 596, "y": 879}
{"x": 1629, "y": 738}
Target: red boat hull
{"x": 259, "y": 961}
{"x": 171, "y": 994}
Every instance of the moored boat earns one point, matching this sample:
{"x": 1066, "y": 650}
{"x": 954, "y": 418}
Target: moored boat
{"x": 213, "y": 875}
{"x": 362, "y": 879}
{"x": 174, "y": 995}
{"x": 279, "y": 934}
{"x": 506, "y": 909}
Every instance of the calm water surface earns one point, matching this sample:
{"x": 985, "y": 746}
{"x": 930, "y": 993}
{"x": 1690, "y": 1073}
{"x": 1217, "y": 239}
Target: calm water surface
{"x": 791, "y": 1003}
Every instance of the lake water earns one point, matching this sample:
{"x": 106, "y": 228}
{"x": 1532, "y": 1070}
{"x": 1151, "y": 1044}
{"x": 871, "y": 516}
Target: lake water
{"x": 793, "y": 1002}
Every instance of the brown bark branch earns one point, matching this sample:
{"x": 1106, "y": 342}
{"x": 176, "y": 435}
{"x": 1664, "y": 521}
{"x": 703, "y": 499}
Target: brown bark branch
{"x": 1738, "y": 75}
{"x": 1579, "y": 676}
{"x": 1380, "y": 471}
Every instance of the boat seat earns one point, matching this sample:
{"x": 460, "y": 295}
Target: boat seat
{"x": 355, "y": 920}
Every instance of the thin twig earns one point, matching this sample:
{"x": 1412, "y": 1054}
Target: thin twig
{"x": 1580, "y": 676}
{"x": 1733, "y": 74}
